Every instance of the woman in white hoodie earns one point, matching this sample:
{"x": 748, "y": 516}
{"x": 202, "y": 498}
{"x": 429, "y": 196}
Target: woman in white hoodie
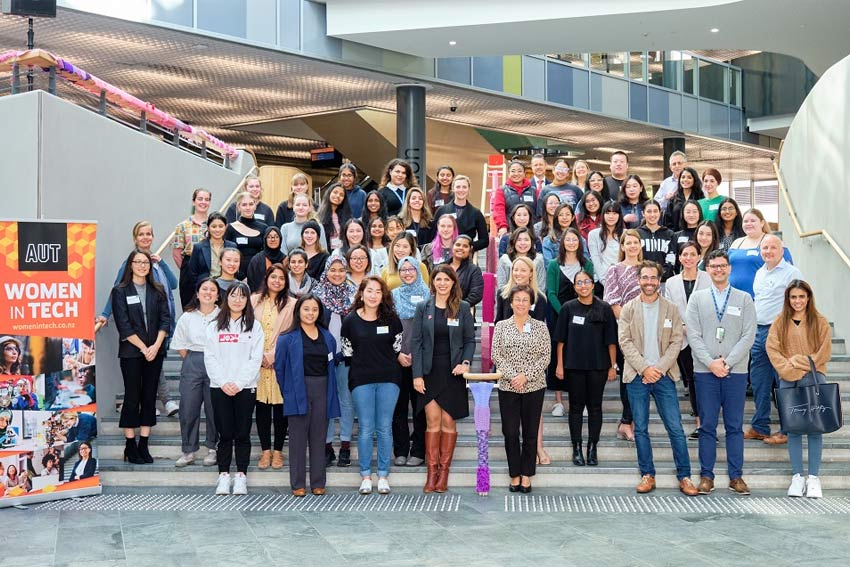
{"x": 232, "y": 355}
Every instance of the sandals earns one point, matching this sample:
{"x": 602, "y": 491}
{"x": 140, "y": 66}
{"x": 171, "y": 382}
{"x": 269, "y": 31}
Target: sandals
{"x": 543, "y": 457}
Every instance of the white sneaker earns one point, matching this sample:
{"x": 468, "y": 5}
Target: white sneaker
{"x": 813, "y": 489}
{"x": 223, "y": 486}
{"x": 366, "y": 486}
{"x": 558, "y": 410}
{"x": 185, "y": 459}
{"x": 240, "y": 484}
{"x": 157, "y": 412}
{"x": 798, "y": 486}
{"x": 210, "y": 459}
{"x": 171, "y": 408}
{"x": 383, "y": 486}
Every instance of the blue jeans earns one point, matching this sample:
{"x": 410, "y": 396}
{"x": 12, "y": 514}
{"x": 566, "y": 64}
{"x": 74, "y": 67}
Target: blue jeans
{"x": 764, "y": 379}
{"x": 714, "y": 393}
{"x": 795, "y": 440}
{"x": 374, "y": 404}
{"x": 667, "y": 404}
{"x": 346, "y": 406}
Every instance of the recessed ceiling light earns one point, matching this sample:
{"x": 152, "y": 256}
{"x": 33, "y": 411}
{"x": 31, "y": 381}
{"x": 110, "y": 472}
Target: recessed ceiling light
{"x": 714, "y": 30}
{"x": 452, "y": 42}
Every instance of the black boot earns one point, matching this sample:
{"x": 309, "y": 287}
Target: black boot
{"x": 330, "y": 456}
{"x": 131, "y": 451}
{"x": 578, "y": 458}
{"x": 143, "y": 450}
{"x": 344, "y": 455}
{"x": 592, "y": 461}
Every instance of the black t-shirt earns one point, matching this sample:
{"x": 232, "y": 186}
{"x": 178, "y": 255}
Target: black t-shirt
{"x": 586, "y": 331}
{"x": 441, "y": 333}
{"x": 371, "y": 349}
{"x": 315, "y": 355}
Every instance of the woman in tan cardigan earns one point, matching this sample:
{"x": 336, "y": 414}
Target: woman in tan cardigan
{"x": 798, "y": 333}
{"x": 273, "y": 308}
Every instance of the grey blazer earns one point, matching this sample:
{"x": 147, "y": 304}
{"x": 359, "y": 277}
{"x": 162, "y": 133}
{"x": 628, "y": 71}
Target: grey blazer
{"x": 675, "y": 292}
{"x": 739, "y": 322}
{"x": 461, "y": 337}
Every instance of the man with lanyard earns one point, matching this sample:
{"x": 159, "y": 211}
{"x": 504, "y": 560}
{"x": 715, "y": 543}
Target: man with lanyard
{"x": 650, "y": 333}
{"x": 769, "y": 291}
{"x": 668, "y": 187}
{"x": 721, "y": 323}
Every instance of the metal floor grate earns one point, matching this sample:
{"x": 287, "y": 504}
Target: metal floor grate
{"x": 260, "y": 503}
{"x": 770, "y": 506}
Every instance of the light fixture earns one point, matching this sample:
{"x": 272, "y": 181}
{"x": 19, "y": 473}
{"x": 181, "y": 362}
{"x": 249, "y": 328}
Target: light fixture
{"x": 452, "y": 42}
{"x": 714, "y": 30}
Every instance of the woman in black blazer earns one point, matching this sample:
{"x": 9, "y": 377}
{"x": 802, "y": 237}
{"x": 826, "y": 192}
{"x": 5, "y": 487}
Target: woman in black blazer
{"x": 442, "y": 346}
{"x": 200, "y": 262}
{"x": 86, "y": 465}
{"x": 140, "y": 309}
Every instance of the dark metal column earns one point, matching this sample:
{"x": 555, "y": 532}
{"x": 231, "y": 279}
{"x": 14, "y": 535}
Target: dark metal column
{"x": 410, "y": 127}
{"x": 671, "y": 145}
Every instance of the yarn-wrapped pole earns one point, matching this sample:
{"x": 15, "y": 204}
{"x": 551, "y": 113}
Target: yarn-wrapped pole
{"x": 481, "y": 386}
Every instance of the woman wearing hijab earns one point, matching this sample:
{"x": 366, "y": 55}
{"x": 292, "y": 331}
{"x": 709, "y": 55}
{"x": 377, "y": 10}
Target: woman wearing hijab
{"x": 336, "y": 292}
{"x": 271, "y": 254}
{"x": 408, "y": 449}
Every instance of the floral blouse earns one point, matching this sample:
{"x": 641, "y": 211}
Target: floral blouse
{"x": 525, "y": 351}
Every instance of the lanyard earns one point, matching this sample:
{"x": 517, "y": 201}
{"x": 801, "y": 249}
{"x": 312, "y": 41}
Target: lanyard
{"x": 717, "y": 311}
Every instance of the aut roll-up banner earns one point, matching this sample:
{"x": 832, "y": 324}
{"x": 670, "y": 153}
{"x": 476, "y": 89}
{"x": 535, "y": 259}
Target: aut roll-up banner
{"x": 48, "y": 412}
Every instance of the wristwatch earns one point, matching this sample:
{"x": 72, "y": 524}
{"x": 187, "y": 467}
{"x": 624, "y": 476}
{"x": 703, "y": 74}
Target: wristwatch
{"x": 465, "y": 362}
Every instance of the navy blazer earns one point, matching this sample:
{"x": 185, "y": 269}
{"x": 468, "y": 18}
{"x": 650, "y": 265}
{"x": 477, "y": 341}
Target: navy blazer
{"x": 88, "y": 470}
{"x": 461, "y": 337}
{"x": 289, "y": 369}
{"x": 85, "y": 430}
{"x": 200, "y": 262}
{"x": 130, "y": 318}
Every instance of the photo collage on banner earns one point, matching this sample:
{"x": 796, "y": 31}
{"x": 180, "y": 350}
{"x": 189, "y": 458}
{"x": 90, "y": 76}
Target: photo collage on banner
{"x": 48, "y": 412}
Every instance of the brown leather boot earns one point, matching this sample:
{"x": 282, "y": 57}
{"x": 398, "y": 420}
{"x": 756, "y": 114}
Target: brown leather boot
{"x": 432, "y": 459}
{"x": 447, "y": 451}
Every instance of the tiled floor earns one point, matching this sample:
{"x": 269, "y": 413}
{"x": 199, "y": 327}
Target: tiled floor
{"x": 477, "y": 532}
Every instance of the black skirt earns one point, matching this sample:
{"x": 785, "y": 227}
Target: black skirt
{"x": 449, "y": 390}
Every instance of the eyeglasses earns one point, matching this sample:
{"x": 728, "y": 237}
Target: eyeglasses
{"x": 358, "y": 258}
{"x": 407, "y": 270}
{"x": 718, "y": 266}
{"x": 584, "y": 282}
{"x": 727, "y": 209}
{"x": 141, "y": 262}
{"x": 648, "y": 278}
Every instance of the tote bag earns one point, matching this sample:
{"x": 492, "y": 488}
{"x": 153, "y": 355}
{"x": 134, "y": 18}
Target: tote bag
{"x": 814, "y": 408}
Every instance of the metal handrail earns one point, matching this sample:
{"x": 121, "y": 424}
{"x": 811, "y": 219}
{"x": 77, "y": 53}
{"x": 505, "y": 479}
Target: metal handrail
{"x": 796, "y": 220}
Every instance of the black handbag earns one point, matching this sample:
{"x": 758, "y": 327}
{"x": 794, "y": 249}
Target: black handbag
{"x": 810, "y": 409}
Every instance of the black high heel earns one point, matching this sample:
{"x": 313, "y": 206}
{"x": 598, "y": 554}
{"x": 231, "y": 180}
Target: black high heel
{"x": 144, "y": 453}
{"x": 131, "y": 452}
{"x": 578, "y": 458}
{"x": 592, "y": 461}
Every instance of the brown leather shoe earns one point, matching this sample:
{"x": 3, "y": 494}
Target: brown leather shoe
{"x": 646, "y": 484}
{"x": 687, "y": 487}
{"x": 753, "y": 434}
{"x": 777, "y": 439}
{"x": 706, "y": 485}
{"x": 318, "y": 491}
{"x": 265, "y": 460}
{"x": 299, "y": 492}
{"x": 738, "y": 486}
{"x": 277, "y": 460}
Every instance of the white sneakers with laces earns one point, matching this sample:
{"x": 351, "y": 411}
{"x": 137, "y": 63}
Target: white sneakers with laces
{"x": 798, "y": 486}
{"x": 558, "y": 410}
{"x": 210, "y": 459}
{"x": 383, "y": 486}
{"x": 223, "y": 486}
{"x": 240, "y": 485}
{"x": 813, "y": 488}
{"x": 366, "y": 486}
{"x": 185, "y": 459}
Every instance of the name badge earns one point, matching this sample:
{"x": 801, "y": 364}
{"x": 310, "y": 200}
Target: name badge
{"x": 133, "y": 299}
{"x": 242, "y": 240}
{"x": 668, "y": 323}
{"x": 526, "y": 328}
{"x": 734, "y": 311}
{"x": 260, "y": 216}
{"x": 228, "y": 337}
{"x": 527, "y": 198}
{"x": 452, "y": 322}
{"x": 714, "y": 207}
{"x": 336, "y": 242}
{"x": 753, "y": 252}
{"x": 416, "y": 298}
{"x": 682, "y": 239}
{"x": 330, "y": 357}
{"x": 578, "y": 320}
{"x": 384, "y": 330}
{"x": 439, "y": 202}
{"x": 533, "y": 305}
{"x": 411, "y": 232}
{"x": 719, "y": 334}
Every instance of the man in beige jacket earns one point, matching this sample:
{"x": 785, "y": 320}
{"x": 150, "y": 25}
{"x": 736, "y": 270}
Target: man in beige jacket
{"x": 650, "y": 333}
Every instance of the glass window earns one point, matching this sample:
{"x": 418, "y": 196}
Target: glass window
{"x": 689, "y": 73}
{"x": 613, "y": 63}
{"x": 456, "y": 69}
{"x": 662, "y": 69}
{"x": 734, "y": 85}
{"x": 572, "y": 58}
{"x": 712, "y": 80}
{"x": 636, "y": 59}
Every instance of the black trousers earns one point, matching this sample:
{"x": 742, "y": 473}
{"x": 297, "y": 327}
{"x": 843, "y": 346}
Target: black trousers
{"x": 404, "y": 442}
{"x": 585, "y": 389}
{"x": 141, "y": 379}
{"x": 624, "y": 396}
{"x": 186, "y": 285}
{"x": 309, "y": 429}
{"x": 233, "y": 419}
{"x": 686, "y": 367}
{"x": 268, "y": 415}
{"x": 521, "y": 417}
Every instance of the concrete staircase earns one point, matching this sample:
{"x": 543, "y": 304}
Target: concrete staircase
{"x": 766, "y": 467}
